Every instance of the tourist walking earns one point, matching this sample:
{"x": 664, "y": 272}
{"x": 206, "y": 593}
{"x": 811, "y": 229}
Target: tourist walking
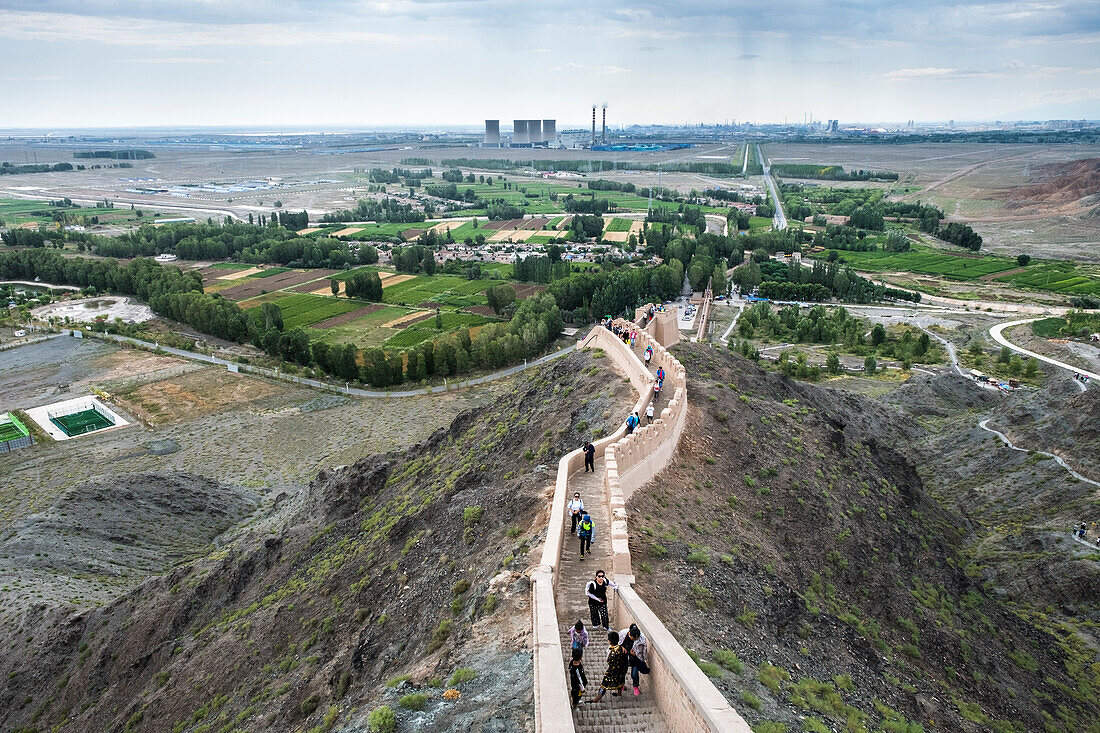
{"x": 660, "y": 374}
{"x": 614, "y": 679}
{"x": 585, "y": 530}
{"x": 576, "y": 511}
{"x": 596, "y": 590}
{"x": 632, "y": 422}
{"x": 649, "y": 414}
{"x": 637, "y": 653}
{"x": 648, "y": 354}
{"x": 578, "y": 682}
{"x": 589, "y": 457}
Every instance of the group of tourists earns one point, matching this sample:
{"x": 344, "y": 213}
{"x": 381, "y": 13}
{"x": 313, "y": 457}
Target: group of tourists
{"x": 628, "y": 335}
{"x": 627, "y": 649}
{"x": 632, "y": 421}
{"x": 1082, "y": 378}
{"x": 1083, "y": 532}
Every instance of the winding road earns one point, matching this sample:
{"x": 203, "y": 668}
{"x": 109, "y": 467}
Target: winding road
{"x": 997, "y": 334}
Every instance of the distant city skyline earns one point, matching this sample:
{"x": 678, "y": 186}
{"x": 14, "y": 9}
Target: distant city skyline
{"x": 453, "y": 63}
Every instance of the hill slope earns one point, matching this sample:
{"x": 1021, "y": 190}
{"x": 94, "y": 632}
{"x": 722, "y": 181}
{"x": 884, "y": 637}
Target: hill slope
{"x": 405, "y": 564}
{"x": 793, "y": 545}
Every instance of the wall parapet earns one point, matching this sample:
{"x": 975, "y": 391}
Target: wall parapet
{"x": 688, "y": 700}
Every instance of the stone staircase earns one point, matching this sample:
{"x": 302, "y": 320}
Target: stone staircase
{"x": 625, "y": 714}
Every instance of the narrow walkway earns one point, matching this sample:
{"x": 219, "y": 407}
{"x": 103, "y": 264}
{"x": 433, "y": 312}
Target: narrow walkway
{"x": 625, "y": 714}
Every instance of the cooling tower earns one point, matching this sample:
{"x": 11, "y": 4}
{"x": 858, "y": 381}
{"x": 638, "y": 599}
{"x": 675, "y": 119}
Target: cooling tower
{"x": 549, "y": 131}
{"x": 534, "y": 131}
{"x": 520, "y": 135}
{"x": 492, "y": 132}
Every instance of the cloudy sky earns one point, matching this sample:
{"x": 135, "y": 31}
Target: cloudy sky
{"x": 451, "y": 62}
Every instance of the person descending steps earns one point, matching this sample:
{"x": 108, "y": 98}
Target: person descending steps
{"x": 596, "y": 590}
{"x": 585, "y": 531}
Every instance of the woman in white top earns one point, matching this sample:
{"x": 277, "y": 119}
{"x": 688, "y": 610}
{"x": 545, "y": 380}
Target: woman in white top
{"x": 576, "y": 511}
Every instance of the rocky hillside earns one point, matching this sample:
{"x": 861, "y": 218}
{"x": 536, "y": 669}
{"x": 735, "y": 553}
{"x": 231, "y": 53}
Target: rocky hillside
{"x": 795, "y": 548}
{"x": 384, "y": 584}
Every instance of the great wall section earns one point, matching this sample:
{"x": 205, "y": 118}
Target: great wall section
{"x": 676, "y": 696}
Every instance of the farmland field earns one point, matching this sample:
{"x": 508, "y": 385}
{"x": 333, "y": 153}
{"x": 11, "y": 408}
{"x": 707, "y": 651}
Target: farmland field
{"x": 1058, "y": 277}
{"x": 442, "y": 289}
{"x": 304, "y": 310}
{"x": 924, "y": 261}
{"x": 618, "y": 225}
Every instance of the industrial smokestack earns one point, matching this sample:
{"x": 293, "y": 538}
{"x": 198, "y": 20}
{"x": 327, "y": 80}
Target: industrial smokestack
{"x": 604, "y": 138}
{"x": 593, "y": 125}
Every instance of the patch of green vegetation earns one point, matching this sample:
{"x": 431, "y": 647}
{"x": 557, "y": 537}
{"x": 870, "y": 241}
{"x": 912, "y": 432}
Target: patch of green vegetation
{"x": 414, "y": 701}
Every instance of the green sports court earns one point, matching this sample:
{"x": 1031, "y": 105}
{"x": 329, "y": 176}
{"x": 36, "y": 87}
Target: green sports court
{"x": 79, "y": 423}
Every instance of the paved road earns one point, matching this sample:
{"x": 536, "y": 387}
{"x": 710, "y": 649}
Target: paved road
{"x": 780, "y": 217}
{"x": 996, "y": 332}
{"x": 331, "y": 387}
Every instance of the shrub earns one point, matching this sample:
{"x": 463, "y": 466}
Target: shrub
{"x": 382, "y": 720}
{"x": 769, "y": 726}
{"x": 342, "y": 685}
{"x": 460, "y": 675}
{"x": 472, "y": 515}
{"x": 773, "y": 677}
{"x": 699, "y": 558}
{"x": 489, "y": 604}
{"x": 702, "y": 597}
{"x": 414, "y": 701}
{"x": 729, "y": 660}
{"x": 751, "y": 700}
{"x": 396, "y": 681}
{"x": 461, "y": 587}
{"x": 710, "y": 669}
{"x": 309, "y": 705}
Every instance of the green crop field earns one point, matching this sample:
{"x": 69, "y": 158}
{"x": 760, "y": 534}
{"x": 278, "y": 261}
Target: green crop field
{"x": 1058, "y": 277}
{"x": 408, "y": 338}
{"x": 924, "y": 261}
{"x": 230, "y": 266}
{"x": 759, "y": 222}
{"x": 364, "y": 331}
{"x": 618, "y": 225}
{"x": 303, "y": 309}
{"x": 446, "y": 290}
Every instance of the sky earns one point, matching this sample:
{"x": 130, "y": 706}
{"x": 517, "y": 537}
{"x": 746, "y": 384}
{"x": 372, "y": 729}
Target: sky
{"x": 352, "y": 63}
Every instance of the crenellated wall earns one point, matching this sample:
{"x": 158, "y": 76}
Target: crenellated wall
{"x": 688, "y": 700}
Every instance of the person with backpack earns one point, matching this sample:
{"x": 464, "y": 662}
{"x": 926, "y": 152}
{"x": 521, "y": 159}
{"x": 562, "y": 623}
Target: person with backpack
{"x": 596, "y": 590}
{"x": 585, "y": 531}
{"x": 648, "y": 354}
{"x": 632, "y": 422}
{"x": 576, "y": 511}
{"x": 636, "y": 654}
{"x": 660, "y": 374}
{"x": 578, "y": 682}
{"x": 589, "y": 457}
